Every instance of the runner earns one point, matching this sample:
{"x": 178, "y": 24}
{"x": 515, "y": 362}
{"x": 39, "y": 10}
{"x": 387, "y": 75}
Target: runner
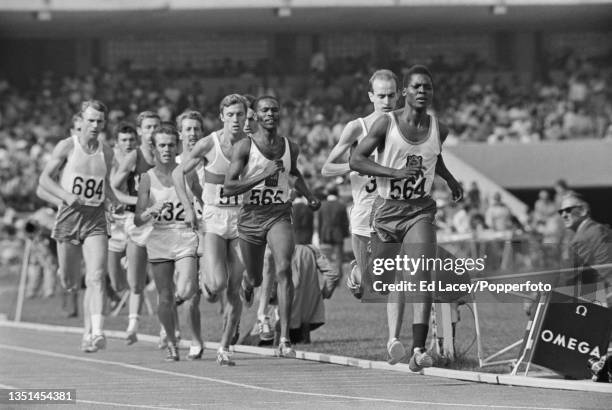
{"x": 172, "y": 244}
{"x": 409, "y": 144}
{"x": 383, "y": 95}
{"x": 125, "y": 183}
{"x": 260, "y": 169}
{"x": 221, "y": 268}
{"x": 80, "y": 227}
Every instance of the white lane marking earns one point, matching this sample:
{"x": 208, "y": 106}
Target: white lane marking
{"x": 253, "y": 387}
{"x": 137, "y": 406}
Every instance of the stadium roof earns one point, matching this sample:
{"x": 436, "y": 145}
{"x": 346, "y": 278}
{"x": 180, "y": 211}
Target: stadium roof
{"x": 62, "y": 18}
{"x": 583, "y": 163}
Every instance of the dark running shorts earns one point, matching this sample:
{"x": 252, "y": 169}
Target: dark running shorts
{"x": 392, "y": 219}
{"x": 255, "y": 221}
{"x": 74, "y": 224}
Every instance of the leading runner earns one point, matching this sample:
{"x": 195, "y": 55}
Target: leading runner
{"x": 409, "y": 145}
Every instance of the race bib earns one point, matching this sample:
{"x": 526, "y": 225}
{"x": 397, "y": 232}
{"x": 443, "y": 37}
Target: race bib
{"x": 172, "y": 212}
{"x": 222, "y": 200}
{"x": 266, "y": 196}
{"x": 90, "y": 190}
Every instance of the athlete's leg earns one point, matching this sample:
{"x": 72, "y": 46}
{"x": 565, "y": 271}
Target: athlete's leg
{"x": 163, "y": 273}
{"x": 195, "y": 322}
{"x": 137, "y": 278}
{"x": 282, "y": 244}
{"x": 253, "y": 257}
{"x": 215, "y": 267}
{"x": 233, "y": 308}
{"x": 95, "y": 254}
{"x": 69, "y": 259}
{"x": 186, "y": 277}
{"x": 419, "y": 241}
{"x": 116, "y": 273}
{"x": 360, "y": 249}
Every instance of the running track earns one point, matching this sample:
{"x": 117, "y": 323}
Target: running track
{"x": 137, "y": 377}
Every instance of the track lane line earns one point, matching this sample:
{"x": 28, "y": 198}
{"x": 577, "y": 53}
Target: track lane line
{"x": 254, "y": 387}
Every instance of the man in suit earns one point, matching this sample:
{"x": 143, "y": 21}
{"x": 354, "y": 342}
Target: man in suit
{"x": 590, "y": 245}
{"x": 333, "y": 227}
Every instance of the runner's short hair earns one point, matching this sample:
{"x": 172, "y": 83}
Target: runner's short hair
{"x": 416, "y": 69}
{"x": 232, "y": 99}
{"x": 167, "y": 128}
{"x": 383, "y": 74}
{"x": 189, "y": 115}
{"x": 144, "y": 115}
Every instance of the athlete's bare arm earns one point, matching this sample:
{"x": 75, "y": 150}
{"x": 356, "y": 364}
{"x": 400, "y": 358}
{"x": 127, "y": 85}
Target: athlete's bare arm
{"x": 50, "y": 184}
{"x": 240, "y": 156}
{"x": 180, "y": 187}
{"x": 335, "y": 165}
{"x": 193, "y": 157}
{"x": 144, "y": 214}
{"x": 375, "y": 138}
{"x": 48, "y": 197}
{"x": 444, "y": 173}
{"x": 119, "y": 178}
{"x": 300, "y": 184}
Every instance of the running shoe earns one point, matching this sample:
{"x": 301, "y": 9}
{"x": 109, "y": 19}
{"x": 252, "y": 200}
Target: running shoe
{"x": 99, "y": 341}
{"x": 246, "y": 294}
{"x": 195, "y": 352}
{"x": 265, "y": 330}
{"x": 224, "y": 357}
{"x": 131, "y": 338}
{"x": 420, "y": 359}
{"x": 173, "y": 354}
{"x": 285, "y": 349}
{"x": 396, "y": 351}
{"x": 87, "y": 346}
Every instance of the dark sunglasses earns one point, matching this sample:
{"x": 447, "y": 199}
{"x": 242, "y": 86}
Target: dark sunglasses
{"x": 567, "y": 210}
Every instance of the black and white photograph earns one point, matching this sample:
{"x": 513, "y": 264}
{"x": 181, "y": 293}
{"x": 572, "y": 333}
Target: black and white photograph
{"x": 297, "y": 204}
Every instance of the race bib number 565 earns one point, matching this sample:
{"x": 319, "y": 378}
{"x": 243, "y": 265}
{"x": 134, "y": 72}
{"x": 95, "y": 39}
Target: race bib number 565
{"x": 266, "y": 196}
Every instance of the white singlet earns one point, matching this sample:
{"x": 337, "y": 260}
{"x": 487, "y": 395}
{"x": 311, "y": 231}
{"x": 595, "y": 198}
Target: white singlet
{"x": 272, "y": 190}
{"x": 84, "y": 174}
{"x": 173, "y": 215}
{"x": 216, "y": 168}
{"x": 399, "y": 152}
{"x": 363, "y": 191}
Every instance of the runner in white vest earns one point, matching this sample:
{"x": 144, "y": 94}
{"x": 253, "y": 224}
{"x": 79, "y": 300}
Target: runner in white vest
{"x": 81, "y": 228}
{"x": 260, "y": 169}
{"x": 221, "y": 267}
{"x": 172, "y": 244}
{"x": 383, "y": 94}
{"x": 408, "y": 142}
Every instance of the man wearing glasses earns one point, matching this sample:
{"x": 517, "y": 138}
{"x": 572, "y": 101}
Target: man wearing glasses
{"x": 590, "y": 245}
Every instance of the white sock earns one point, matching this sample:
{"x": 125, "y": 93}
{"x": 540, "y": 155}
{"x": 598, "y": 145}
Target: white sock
{"x": 133, "y": 323}
{"x": 97, "y": 321}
